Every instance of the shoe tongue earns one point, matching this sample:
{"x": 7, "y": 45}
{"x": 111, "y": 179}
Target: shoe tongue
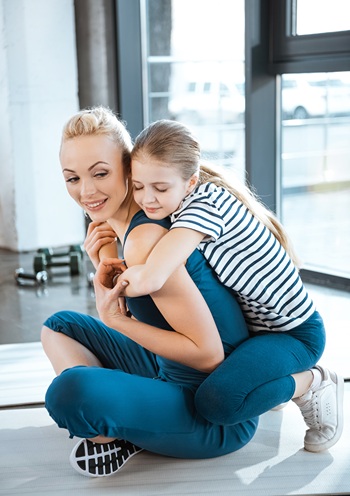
{"x": 307, "y": 396}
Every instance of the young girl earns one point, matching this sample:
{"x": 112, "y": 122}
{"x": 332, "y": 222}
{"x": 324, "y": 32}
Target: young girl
{"x": 249, "y": 250}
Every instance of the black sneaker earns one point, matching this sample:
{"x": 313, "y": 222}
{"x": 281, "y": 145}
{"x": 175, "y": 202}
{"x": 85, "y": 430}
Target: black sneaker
{"x": 100, "y": 460}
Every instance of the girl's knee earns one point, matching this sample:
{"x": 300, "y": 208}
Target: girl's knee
{"x": 216, "y": 405}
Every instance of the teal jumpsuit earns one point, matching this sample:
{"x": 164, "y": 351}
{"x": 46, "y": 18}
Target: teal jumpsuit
{"x": 137, "y": 395}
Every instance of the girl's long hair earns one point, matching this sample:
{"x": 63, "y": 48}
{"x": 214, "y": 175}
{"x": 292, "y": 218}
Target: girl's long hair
{"x": 172, "y": 144}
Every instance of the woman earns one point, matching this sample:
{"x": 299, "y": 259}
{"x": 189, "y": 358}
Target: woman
{"x": 123, "y": 384}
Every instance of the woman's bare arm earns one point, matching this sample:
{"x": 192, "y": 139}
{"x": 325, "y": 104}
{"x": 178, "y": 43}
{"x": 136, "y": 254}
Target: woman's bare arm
{"x": 196, "y": 342}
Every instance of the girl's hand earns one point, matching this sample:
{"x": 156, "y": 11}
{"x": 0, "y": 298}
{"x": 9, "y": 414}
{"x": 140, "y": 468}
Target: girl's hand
{"x": 108, "y": 290}
{"x": 138, "y": 282}
{"x": 99, "y": 235}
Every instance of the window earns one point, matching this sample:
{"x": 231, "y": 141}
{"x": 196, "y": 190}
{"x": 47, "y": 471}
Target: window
{"x": 193, "y": 72}
{"x": 315, "y": 168}
{"x": 321, "y": 16}
{"x": 313, "y": 165}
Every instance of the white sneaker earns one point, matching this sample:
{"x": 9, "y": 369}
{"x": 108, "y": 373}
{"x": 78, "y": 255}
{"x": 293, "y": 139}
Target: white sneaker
{"x": 100, "y": 460}
{"x": 323, "y": 412}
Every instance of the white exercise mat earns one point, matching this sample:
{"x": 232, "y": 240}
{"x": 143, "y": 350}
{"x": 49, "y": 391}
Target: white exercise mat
{"x": 25, "y": 374}
{"x": 34, "y": 461}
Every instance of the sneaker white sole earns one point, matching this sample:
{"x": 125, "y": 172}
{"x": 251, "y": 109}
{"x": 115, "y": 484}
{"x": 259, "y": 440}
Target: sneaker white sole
{"x": 316, "y": 448}
{"x": 101, "y": 460}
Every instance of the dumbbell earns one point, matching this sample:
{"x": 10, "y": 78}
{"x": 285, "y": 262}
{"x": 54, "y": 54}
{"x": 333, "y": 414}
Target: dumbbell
{"x": 37, "y": 279}
{"x": 50, "y": 253}
{"x": 45, "y": 259}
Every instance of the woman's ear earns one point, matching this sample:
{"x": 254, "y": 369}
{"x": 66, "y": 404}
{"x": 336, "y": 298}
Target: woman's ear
{"x": 192, "y": 183}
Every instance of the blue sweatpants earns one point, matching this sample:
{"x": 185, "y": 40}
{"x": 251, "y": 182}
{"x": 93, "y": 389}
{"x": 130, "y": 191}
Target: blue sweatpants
{"x": 126, "y": 399}
{"x": 256, "y": 375}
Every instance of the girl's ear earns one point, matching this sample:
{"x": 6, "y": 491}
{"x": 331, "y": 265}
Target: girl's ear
{"x": 192, "y": 183}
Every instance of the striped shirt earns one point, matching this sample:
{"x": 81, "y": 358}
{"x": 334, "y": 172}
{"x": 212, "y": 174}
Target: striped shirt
{"x": 246, "y": 257}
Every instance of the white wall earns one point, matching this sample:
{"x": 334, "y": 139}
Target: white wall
{"x": 38, "y": 93}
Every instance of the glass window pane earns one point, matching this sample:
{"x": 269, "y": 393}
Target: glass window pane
{"x": 322, "y": 16}
{"x": 316, "y": 168}
{"x": 194, "y": 72}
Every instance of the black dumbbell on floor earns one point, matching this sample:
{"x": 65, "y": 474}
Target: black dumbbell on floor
{"x": 25, "y": 278}
{"x": 46, "y": 258}
{"x": 50, "y": 253}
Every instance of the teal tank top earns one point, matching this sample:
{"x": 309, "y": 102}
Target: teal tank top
{"x": 219, "y": 298}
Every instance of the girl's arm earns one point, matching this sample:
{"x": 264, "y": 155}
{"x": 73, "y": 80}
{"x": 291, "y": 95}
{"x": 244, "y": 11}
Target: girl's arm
{"x": 170, "y": 252}
{"x": 196, "y": 342}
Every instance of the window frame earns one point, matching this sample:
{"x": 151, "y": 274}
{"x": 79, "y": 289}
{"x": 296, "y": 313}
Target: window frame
{"x": 290, "y": 53}
{"x": 321, "y": 52}
{"x": 129, "y": 64}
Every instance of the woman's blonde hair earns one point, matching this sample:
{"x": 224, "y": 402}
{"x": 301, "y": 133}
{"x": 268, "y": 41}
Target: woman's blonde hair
{"x": 99, "y": 121}
{"x": 173, "y": 145}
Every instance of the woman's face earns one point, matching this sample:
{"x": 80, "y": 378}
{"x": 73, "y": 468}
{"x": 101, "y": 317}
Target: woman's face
{"x": 94, "y": 173}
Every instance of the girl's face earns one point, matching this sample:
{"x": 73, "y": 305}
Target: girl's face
{"x": 94, "y": 173}
{"x": 158, "y": 189}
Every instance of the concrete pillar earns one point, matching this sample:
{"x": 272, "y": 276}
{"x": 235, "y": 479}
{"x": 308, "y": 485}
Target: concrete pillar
{"x": 97, "y": 62}
{"x": 38, "y": 93}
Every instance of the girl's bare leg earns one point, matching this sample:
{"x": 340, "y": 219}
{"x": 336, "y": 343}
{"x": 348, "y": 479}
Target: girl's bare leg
{"x": 303, "y": 381}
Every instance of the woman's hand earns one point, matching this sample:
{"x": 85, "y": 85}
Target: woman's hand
{"x": 108, "y": 290}
{"x": 196, "y": 342}
{"x": 100, "y": 235}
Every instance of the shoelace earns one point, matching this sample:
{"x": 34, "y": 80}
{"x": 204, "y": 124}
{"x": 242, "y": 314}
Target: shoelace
{"x": 310, "y": 413}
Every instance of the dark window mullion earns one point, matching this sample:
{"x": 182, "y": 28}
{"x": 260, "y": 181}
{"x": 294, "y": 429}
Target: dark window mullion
{"x": 307, "y": 53}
